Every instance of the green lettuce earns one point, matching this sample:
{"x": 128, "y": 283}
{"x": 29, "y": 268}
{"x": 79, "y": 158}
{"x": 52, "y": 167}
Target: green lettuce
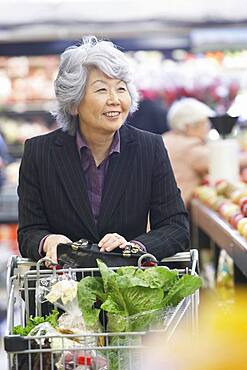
{"x": 182, "y": 288}
{"x": 131, "y": 297}
{"x": 34, "y": 321}
{"x": 89, "y": 291}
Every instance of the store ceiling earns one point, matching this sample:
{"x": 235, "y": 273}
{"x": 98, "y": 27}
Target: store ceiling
{"x": 15, "y": 11}
{"x": 169, "y": 20}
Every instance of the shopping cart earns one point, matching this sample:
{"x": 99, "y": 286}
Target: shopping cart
{"x": 112, "y": 351}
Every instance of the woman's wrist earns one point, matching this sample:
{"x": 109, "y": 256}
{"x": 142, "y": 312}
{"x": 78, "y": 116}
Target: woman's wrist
{"x": 139, "y": 245}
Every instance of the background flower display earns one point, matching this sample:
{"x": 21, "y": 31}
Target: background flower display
{"x": 211, "y": 77}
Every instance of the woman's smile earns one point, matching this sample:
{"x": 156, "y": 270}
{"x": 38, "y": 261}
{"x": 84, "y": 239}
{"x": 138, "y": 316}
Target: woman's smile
{"x": 112, "y": 114}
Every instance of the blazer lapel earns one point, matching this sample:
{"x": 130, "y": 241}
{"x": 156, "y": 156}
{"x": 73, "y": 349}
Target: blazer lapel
{"x": 68, "y": 166}
{"x": 117, "y": 176}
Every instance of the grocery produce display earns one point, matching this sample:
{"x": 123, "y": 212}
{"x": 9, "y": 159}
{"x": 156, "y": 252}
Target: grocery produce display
{"x": 27, "y": 93}
{"x": 228, "y": 200}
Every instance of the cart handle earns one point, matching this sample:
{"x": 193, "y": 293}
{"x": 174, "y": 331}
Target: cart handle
{"x": 149, "y": 256}
{"x": 17, "y": 261}
{"x": 190, "y": 256}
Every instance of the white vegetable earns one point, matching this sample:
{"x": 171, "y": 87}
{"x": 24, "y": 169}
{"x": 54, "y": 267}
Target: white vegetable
{"x": 64, "y": 289}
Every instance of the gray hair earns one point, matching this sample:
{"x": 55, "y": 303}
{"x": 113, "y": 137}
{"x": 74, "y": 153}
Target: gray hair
{"x": 73, "y": 74}
{"x": 187, "y": 111}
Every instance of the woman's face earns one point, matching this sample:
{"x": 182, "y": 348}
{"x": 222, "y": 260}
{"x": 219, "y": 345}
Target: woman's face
{"x": 105, "y": 105}
{"x": 200, "y": 130}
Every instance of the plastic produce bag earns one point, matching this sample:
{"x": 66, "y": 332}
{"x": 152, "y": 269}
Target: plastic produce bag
{"x": 63, "y": 294}
{"x": 46, "y": 331}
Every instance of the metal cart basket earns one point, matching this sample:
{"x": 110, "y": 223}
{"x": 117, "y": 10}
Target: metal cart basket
{"x": 106, "y": 351}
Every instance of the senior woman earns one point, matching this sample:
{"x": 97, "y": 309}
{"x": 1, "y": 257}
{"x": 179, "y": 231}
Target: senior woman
{"x": 185, "y": 143}
{"x": 96, "y": 177}
{"x": 188, "y": 119}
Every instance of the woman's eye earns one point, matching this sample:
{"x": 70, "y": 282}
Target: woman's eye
{"x": 100, "y": 90}
{"x": 121, "y": 88}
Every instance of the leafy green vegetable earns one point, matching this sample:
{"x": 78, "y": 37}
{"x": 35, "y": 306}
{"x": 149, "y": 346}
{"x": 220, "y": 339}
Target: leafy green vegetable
{"x": 158, "y": 277}
{"x": 137, "y": 300}
{"x": 183, "y": 287}
{"x": 153, "y": 277}
{"x": 141, "y": 293}
{"x": 131, "y": 297}
{"x": 90, "y": 289}
{"x": 34, "y": 321}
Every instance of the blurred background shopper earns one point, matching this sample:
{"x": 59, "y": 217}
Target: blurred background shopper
{"x": 185, "y": 142}
{"x": 95, "y": 177}
{"x": 189, "y": 121}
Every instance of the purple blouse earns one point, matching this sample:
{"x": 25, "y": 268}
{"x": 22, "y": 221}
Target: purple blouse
{"x": 95, "y": 175}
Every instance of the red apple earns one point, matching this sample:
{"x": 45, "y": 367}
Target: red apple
{"x": 222, "y": 208}
{"x": 238, "y": 194}
{"x": 230, "y": 210}
{"x": 218, "y": 203}
{"x": 242, "y": 202}
{"x": 234, "y": 219}
{"x": 244, "y": 210}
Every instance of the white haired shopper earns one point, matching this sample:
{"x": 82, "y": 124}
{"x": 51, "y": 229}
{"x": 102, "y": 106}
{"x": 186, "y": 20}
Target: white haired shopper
{"x": 185, "y": 142}
{"x": 96, "y": 177}
{"x": 188, "y": 119}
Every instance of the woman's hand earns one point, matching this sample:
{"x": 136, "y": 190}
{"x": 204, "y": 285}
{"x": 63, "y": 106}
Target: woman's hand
{"x": 112, "y": 241}
{"x": 50, "y": 246}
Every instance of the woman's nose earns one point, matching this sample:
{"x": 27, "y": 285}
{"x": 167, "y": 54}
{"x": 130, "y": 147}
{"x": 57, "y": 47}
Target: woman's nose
{"x": 113, "y": 98}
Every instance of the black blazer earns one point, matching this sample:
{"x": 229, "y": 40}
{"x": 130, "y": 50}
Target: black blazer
{"x": 53, "y": 196}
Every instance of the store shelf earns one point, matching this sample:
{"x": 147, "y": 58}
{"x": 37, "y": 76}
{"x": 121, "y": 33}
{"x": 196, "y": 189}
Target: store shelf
{"x": 29, "y": 114}
{"x": 221, "y": 233}
{"x": 27, "y": 108}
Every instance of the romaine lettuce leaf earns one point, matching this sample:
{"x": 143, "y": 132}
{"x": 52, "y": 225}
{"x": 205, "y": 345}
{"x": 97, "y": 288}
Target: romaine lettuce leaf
{"x": 182, "y": 288}
{"x": 89, "y": 290}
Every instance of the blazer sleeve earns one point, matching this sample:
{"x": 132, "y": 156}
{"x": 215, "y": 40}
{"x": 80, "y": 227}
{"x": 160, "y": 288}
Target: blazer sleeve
{"x": 33, "y": 224}
{"x": 168, "y": 217}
